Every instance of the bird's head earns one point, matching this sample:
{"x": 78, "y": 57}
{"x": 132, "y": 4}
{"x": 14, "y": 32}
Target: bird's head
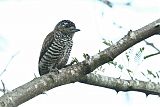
{"x": 66, "y": 27}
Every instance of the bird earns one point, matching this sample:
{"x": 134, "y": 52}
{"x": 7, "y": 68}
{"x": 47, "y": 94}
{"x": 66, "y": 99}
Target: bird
{"x": 56, "y": 47}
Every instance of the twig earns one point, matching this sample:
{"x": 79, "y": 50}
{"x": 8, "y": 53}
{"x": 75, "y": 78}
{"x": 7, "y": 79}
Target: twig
{"x": 151, "y": 55}
{"x": 107, "y": 2}
{"x": 8, "y": 63}
{"x": 152, "y": 45}
{"x": 4, "y": 90}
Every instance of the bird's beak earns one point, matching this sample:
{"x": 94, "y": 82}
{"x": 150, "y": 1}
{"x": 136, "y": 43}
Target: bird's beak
{"x": 75, "y": 30}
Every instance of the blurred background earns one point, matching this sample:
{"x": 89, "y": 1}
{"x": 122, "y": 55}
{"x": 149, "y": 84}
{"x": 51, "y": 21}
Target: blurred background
{"x": 25, "y": 23}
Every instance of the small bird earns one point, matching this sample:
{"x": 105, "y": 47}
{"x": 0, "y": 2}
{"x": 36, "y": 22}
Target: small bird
{"x": 56, "y": 47}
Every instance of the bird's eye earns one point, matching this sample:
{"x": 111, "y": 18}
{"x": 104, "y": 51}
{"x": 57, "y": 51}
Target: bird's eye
{"x": 65, "y": 25}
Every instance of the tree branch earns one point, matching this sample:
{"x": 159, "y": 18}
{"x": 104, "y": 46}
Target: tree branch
{"x": 152, "y": 45}
{"x": 76, "y": 72}
{"x": 121, "y": 84}
{"x": 147, "y": 56}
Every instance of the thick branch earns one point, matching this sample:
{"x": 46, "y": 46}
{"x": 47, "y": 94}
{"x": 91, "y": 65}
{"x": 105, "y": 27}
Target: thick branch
{"x": 121, "y": 84}
{"x": 75, "y": 72}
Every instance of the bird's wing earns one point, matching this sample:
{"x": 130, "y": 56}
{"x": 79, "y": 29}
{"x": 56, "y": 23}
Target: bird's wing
{"x": 47, "y": 42}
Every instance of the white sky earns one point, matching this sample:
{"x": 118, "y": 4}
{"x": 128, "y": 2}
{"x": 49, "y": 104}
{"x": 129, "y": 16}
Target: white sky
{"x": 25, "y": 23}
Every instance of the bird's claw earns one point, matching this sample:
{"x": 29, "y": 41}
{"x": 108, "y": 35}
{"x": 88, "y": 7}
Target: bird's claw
{"x": 55, "y": 70}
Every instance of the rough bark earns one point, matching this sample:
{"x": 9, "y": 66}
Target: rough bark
{"x": 121, "y": 84}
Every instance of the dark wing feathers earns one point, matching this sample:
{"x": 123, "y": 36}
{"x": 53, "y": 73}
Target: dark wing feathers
{"x": 46, "y": 44}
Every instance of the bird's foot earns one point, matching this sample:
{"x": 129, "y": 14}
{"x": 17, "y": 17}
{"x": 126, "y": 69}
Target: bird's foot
{"x": 55, "y": 70}
{"x": 74, "y": 60}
